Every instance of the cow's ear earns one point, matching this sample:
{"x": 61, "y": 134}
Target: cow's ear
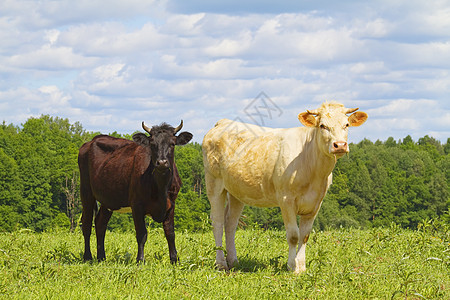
{"x": 141, "y": 139}
{"x": 184, "y": 138}
{"x": 307, "y": 119}
{"x": 357, "y": 119}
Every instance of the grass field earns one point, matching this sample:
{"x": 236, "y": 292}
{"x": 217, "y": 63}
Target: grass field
{"x": 389, "y": 263}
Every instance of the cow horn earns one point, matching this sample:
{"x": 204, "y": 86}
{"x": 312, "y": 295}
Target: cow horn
{"x": 148, "y": 129}
{"x": 312, "y": 112}
{"x": 178, "y": 128}
{"x": 350, "y": 110}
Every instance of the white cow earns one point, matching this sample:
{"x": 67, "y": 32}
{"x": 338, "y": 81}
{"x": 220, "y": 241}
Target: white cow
{"x": 289, "y": 168}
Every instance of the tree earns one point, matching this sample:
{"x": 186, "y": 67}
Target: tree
{"x": 376, "y": 184}
{"x": 73, "y": 203}
{"x": 192, "y": 204}
{"x": 9, "y": 192}
{"x": 447, "y": 147}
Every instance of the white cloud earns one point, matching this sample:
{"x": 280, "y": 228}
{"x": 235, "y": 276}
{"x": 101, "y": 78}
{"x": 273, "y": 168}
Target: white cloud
{"x": 230, "y": 47}
{"x": 114, "y": 39}
{"x": 50, "y": 58}
{"x": 48, "y": 13}
{"x": 22, "y": 103}
{"x": 112, "y": 67}
{"x": 184, "y": 25}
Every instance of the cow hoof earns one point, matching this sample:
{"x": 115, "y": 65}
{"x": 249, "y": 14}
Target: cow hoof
{"x": 233, "y": 264}
{"x": 299, "y": 269}
{"x": 87, "y": 258}
{"x": 222, "y": 266}
{"x": 291, "y": 267}
{"x": 140, "y": 261}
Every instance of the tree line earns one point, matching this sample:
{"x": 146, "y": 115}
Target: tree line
{"x": 378, "y": 183}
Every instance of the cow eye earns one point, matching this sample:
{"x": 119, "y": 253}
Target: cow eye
{"x": 346, "y": 125}
{"x": 323, "y": 127}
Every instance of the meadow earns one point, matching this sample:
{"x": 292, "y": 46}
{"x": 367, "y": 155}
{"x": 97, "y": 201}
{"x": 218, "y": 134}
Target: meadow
{"x": 379, "y": 263}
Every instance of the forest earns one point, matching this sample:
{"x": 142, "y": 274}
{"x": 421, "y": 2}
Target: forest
{"x": 379, "y": 183}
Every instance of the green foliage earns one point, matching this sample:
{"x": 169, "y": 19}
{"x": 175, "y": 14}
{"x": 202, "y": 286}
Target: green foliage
{"x": 379, "y": 263}
{"x": 9, "y": 218}
{"x": 34, "y": 162}
{"x": 192, "y": 203}
{"x": 388, "y": 182}
{"x": 377, "y": 183}
{"x": 121, "y": 222}
{"x": 261, "y": 217}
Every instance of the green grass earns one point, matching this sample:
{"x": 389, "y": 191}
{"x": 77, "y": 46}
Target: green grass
{"x": 389, "y": 263}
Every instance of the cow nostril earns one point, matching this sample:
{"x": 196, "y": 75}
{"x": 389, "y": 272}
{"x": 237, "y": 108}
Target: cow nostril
{"x": 163, "y": 163}
{"x": 339, "y": 146}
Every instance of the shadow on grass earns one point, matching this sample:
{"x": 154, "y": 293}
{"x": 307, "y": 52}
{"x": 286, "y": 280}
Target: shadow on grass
{"x": 250, "y": 265}
{"x": 62, "y": 255}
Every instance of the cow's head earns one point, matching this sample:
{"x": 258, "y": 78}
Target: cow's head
{"x": 162, "y": 140}
{"x": 332, "y": 123}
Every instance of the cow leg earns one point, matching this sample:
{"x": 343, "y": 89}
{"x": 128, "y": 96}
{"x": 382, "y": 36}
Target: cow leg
{"x": 217, "y": 198}
{"x": 169, "y": 232}
{"x": 101, "y": 221}
{"x": 86, "y": 227}
{"x": 292, "y": 233}
{"x": 305, "y": 226}
{"x": 88, "y": 203}
{"x": 233, "y": 211}
{"x": 141, "y": 232}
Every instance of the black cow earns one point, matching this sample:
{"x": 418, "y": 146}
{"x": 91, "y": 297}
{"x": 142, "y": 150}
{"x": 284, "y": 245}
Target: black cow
{"x": 140, "y": 175}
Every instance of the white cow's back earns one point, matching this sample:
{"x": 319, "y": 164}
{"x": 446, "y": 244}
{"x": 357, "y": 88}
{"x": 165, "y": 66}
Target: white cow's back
{"x": 253, "y": 161}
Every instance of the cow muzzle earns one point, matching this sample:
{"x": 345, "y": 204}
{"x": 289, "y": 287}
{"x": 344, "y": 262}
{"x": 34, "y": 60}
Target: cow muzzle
{"x": 162, "y": 164}
{"x": 339, "y": 148}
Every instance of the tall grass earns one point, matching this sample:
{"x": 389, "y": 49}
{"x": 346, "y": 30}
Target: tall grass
{"x": 390, "y": 263}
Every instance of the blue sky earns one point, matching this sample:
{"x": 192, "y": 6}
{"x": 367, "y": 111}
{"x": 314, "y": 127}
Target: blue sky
{"x": 112, "y": 64}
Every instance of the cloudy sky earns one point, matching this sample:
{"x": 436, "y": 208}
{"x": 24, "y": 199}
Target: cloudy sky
{"x": 112, "y": 64}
